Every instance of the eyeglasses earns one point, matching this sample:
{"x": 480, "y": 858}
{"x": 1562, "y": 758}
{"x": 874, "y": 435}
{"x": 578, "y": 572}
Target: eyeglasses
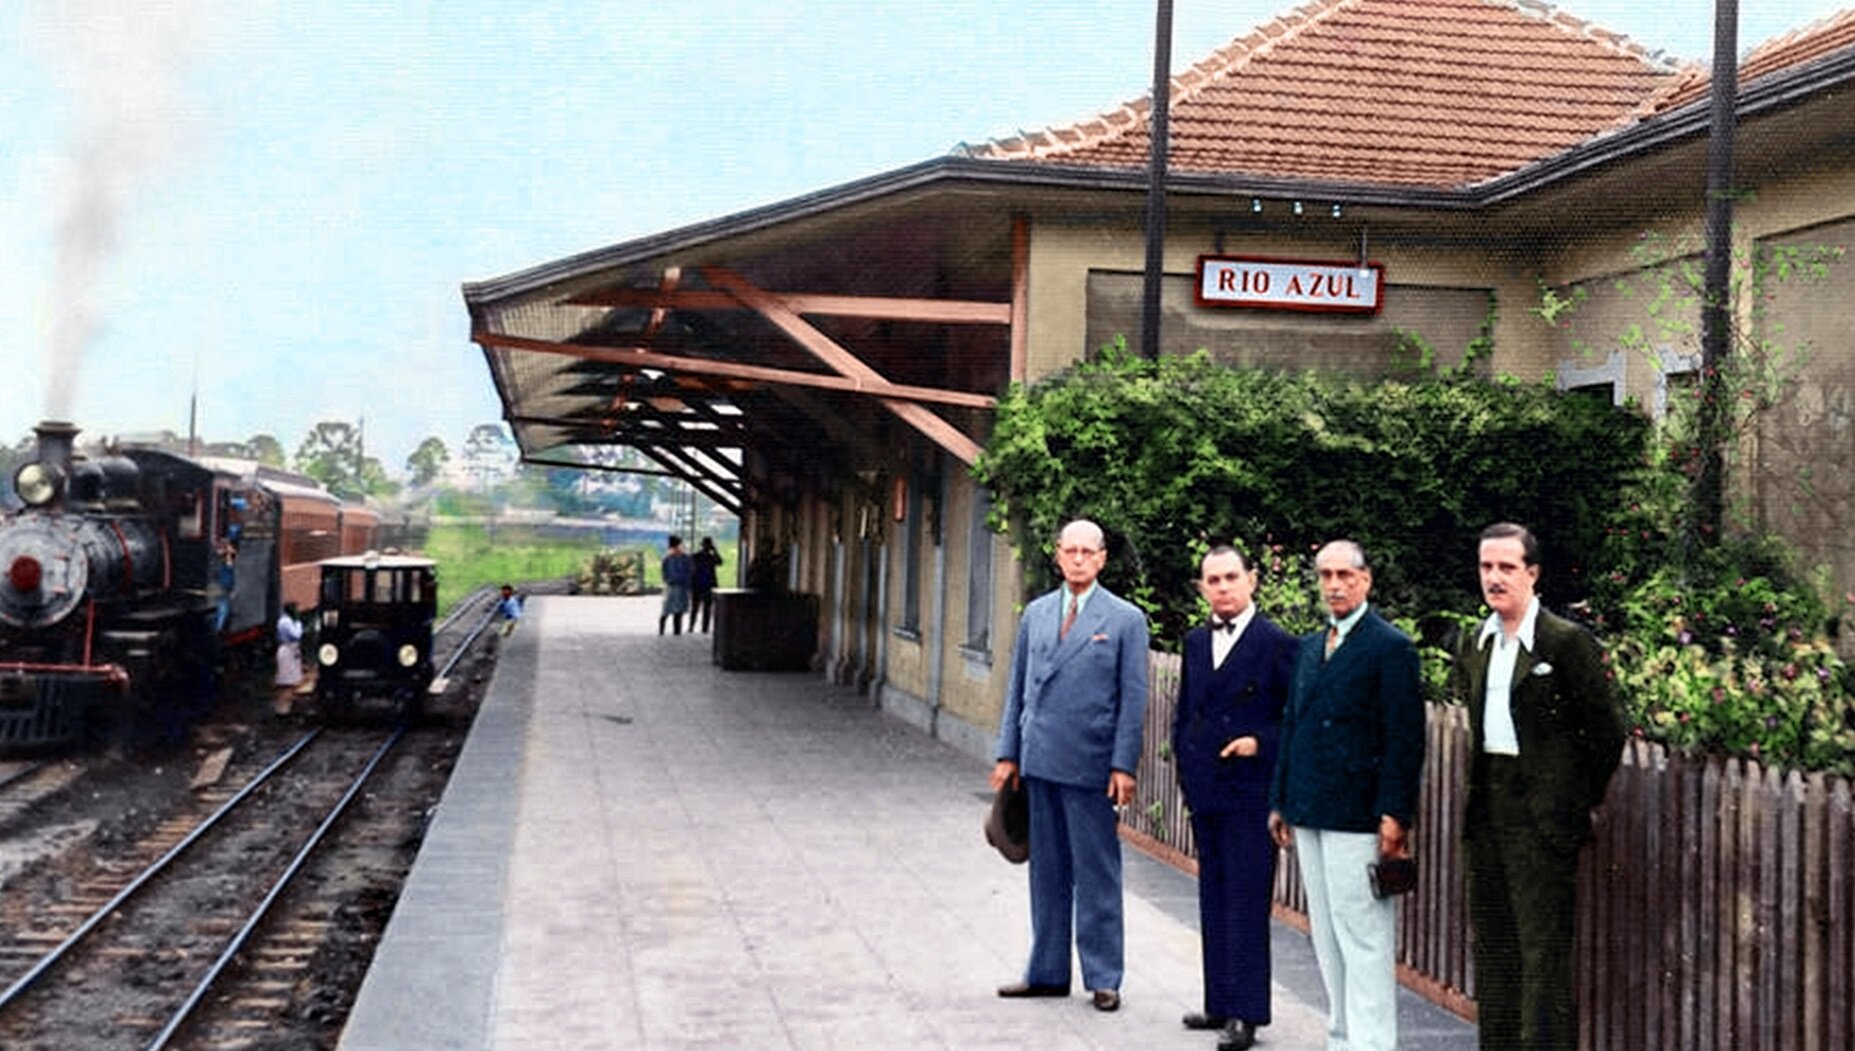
{"x": 1078, "y": 552}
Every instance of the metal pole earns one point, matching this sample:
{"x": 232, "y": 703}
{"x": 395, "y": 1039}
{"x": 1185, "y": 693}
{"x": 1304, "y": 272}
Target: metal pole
{"x": 1156, "y": 181}
{"x": 1711, "y": 427}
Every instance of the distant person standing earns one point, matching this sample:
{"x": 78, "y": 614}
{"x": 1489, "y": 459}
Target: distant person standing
{"x": 678, "y": 568}
{"x": 225, "y": 578}
{"x": 705, "y": 562}
{"x": 508, "y": 610}
{"x": 289, "y": 654}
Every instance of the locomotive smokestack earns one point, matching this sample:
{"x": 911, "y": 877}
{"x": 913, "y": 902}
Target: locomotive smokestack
{"x": 56, "y": 440}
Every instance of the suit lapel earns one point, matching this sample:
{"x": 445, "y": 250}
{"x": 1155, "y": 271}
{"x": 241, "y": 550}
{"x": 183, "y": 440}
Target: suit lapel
{"x": 1525, "y": 682}
{"x": 1349, "y": 644}
{"x": 1475, "y": 684}
{"x": 1231, "y": 658}
{"x": 1519, "y": 690}
{"x": 1308, "y": 667}
{"x": 1088, "y": 623}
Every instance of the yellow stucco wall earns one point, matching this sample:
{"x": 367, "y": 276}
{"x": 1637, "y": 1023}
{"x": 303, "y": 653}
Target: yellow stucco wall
{"x": 1064, "y": 252}
{"x": 1790, "y": 473}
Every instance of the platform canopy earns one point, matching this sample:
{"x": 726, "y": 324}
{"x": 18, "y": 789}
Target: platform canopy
{"x": 822, "y": 336}
{"x": 817, "y": 336}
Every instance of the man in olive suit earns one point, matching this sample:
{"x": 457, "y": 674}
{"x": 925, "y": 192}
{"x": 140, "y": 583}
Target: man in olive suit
{"x": 1547, "y": 735}
{"x": 1233, "y": 680}
{"x": 1071, "y": 730}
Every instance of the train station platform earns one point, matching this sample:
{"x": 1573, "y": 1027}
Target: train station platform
{"x": 640, "y": 850}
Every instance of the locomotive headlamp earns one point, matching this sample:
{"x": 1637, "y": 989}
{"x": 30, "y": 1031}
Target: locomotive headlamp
{"x": 37, "y": 483}
{"x": 328, "y": 654}
{"x": 408, "y": 655}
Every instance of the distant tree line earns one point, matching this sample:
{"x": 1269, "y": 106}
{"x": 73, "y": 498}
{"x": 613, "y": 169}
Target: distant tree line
{"x": 334, "y": 453}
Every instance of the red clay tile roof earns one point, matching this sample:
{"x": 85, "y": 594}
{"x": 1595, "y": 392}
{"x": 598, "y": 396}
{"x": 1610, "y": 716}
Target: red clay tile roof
{"x": 1432, "y": 93}
{"x": 1797, "y": 48}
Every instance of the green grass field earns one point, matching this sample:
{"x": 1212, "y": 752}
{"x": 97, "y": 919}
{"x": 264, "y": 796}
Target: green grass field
{"x": 471, "y": 556}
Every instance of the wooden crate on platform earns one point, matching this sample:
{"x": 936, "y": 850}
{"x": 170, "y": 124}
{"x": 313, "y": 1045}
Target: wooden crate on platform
{"x": 765, "y": 630}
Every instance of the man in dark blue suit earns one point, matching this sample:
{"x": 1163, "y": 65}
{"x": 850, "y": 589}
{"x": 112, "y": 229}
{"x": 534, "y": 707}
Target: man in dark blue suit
{"x": 1071, "y": 730}
{"x": 1345, "y": 793}
{"x": 1233, "y": 681}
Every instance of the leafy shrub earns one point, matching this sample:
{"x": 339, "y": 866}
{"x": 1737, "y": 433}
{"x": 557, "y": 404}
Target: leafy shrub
{"x": 1716, "y": 648}
{"x": 1172, "y": 455}
{"x": 1790, "y": 710}
{"x": 1728, "y": 654}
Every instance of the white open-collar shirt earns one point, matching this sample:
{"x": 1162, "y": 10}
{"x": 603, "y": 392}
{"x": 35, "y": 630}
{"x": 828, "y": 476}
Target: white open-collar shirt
{"x": 1497, "y": 717}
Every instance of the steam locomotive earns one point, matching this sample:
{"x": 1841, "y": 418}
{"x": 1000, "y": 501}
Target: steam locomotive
{"x": 128, "y": 580}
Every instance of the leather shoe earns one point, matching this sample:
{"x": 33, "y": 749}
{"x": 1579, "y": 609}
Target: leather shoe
{"x": 1238, "y": 1036}
{"x": 1204, "y": 1020}
{"x": 1023, "y": 990}
{"x": 1107, "y": 1000}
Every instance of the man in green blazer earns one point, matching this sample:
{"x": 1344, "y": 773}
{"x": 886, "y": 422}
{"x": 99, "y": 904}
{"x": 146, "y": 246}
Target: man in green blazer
{"x": 1547, "y": 735}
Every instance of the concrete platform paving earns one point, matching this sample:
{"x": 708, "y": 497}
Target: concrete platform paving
{"x": 640, "y": 850}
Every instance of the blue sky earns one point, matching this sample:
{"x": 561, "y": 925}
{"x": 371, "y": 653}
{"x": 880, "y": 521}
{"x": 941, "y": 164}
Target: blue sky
{"x": 275, "y": 202}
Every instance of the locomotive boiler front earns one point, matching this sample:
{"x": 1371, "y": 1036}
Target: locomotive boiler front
{"x": 79, "y": 539}
{"x": 50, "y": 564}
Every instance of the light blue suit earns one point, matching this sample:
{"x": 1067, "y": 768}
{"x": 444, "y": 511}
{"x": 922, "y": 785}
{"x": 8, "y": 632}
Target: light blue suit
{"x": 1073, "y": 714}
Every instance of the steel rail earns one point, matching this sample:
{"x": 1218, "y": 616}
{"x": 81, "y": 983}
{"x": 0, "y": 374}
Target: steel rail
{"x": 50, "y": 959}
{"x": 24, "y": 772}
{"x": 185, "y": 1011}
{"x": 463, "y": 607}
{"x": 469, "y": 641}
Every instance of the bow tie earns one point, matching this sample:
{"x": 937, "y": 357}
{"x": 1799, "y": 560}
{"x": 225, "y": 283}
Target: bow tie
{"x": 1223, "y": 625}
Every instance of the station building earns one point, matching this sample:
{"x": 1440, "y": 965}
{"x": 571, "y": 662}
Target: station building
{"x": 1348, "y": 178}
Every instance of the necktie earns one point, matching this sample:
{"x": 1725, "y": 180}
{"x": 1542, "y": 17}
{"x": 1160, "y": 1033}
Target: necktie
{"x": 1069, "y": 620}
{"x": 1333, "y": 639}
{"x": 1223, "y": 625}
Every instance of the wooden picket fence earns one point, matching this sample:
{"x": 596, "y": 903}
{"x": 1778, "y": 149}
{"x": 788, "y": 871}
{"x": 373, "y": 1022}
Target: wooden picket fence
{"x": 1716, "y": 906}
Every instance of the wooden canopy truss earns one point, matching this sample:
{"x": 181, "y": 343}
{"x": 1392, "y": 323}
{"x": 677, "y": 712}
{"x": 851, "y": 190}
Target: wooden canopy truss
{"x": 706, "y": 369}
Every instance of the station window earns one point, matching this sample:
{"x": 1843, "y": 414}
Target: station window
{"x": 1602, "y": 380}
{"x": 1675, "y": 373}
{"x": 1604, "y": 392}
{"x": 979, "y": 574}
{"x": 911, "y": 559}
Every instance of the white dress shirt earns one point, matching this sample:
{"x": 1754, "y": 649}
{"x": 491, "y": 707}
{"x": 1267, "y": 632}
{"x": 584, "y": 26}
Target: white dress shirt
{"x": 1222, "y": 642}
{"x": 1497, "y": 718}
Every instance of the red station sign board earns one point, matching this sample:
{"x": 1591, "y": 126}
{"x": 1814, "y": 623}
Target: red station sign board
{"x": 1260, "y": 282}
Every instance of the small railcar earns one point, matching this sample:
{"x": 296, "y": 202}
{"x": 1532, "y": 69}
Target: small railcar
{"x": 374, "y": 623}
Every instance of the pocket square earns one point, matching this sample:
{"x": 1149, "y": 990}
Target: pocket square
{"x": 1542, "y": 668}
{"x": 1099, "y": 636}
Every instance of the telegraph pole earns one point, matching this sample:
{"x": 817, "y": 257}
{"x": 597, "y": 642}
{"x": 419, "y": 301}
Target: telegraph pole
{"x": 1157, "y": 127}
{"x": 1711, "y": 430}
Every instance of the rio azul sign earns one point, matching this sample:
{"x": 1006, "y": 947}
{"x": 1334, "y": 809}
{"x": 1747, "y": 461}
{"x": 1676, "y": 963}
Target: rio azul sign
{"x": 1290, "y": 284}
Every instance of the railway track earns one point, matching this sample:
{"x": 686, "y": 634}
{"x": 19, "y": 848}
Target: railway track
{"x": 149, "y": 923}
{"x": 206, "y": 931}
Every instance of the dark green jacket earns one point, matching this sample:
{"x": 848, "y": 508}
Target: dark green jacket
{"x": 1566, "y": 717}
{"x": 1352, "y": 732}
